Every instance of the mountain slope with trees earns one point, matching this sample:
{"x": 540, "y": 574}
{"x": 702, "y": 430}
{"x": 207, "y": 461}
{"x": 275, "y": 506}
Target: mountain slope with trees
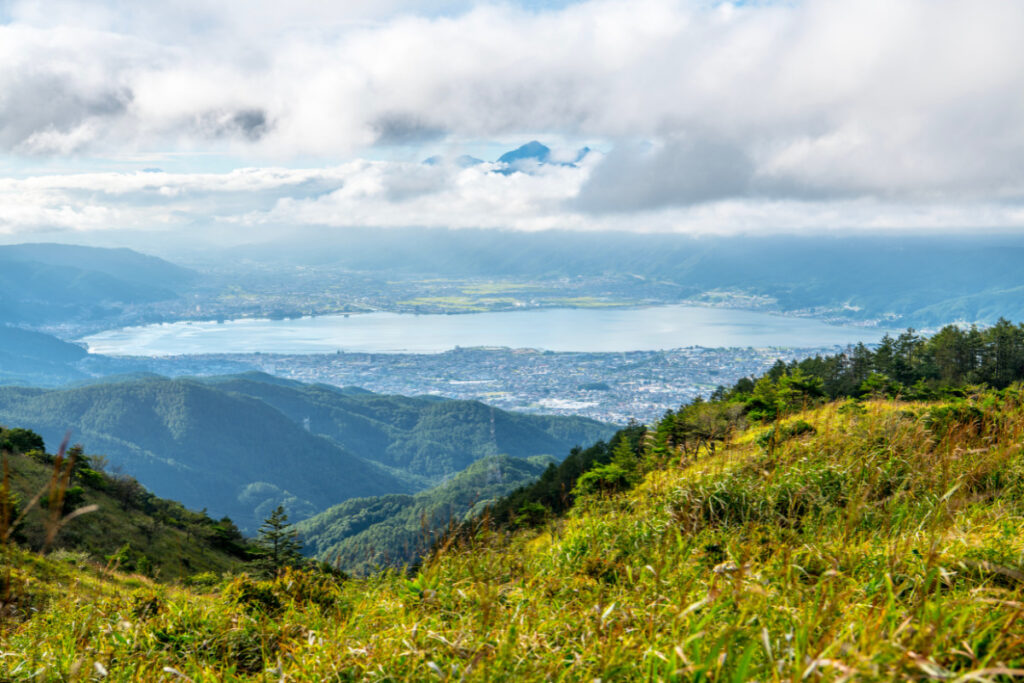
{"x": 240, "y": 446}
{"x": 36, "y": 359}
{"x": 429, "y": 436}
{"x": 67, "y": 503}
{"x": 769, "y": 533}
{"x": 364, "y": 534}
{"x": 58, "y": 283}
{"x": 209, "y": 449}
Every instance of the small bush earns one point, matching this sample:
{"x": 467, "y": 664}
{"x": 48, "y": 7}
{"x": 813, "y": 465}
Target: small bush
{"x": 786, "y": 432}
{"x": 297, "y": 587}
{"x": 146, "y": 606}
{"x": 606, "y": 478}
{"x": 122, "y": 558}
{"x": 941, "y": 420}
{"x": 206, "y": 581}
{"x": 76, "y": 558}
{"x": 252, "y": 595}
{"x": 19, "y": 440}
{"x": 853, "y": 408}
{"x": 531, "y": 514}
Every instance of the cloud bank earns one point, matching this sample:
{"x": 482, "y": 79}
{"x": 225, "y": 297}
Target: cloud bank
{"x": 827, "y": 113}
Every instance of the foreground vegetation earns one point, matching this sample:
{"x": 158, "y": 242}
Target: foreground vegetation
{"x": 66, "y": 502}
{"x": 869, "y": 540}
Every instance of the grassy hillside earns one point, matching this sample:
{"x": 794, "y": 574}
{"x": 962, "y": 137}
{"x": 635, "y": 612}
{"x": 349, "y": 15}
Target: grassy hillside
{"x": 123, "y": 525}
{"x": 861, "y": 541}
{"x": 365, "y": 534}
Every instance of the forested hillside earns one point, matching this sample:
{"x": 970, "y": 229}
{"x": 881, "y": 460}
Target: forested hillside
{"x": 61, "y": 284}
{"x": 430, "y": 436}
{"x": 227, "y": 453}
{"x": 911, "y": 365}
{"x": 367, "y": 534}
{"x": 240, "y": 446}
{"x": 36, "y": 359}
{"x": 951, "y": 365}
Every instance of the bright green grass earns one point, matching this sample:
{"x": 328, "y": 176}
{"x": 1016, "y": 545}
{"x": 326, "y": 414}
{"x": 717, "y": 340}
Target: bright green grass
{"x": 867, "y": 550}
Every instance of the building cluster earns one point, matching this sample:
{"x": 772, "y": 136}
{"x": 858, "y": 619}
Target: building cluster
{"x": 613, "y": 387}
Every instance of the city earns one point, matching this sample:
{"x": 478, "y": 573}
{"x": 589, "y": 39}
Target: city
{"x": 613, "y": 387}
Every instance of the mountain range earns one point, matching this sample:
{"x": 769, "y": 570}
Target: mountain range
{"x": 241, "y": 445}
{"x": 918, "y": 280}
{"x": 865, "y": 278}
{"x": 523, "y": 159}
{"x": 34, "y": 358}
{"x": 59, "y": 283}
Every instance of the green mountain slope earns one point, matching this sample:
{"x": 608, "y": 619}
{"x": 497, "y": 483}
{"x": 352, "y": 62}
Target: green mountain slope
{"x": 126, "y": 524}
{"x": 56, "y": 283}
{"x": 239, "y": 446}
{"x": 210, "y": 449}
{"x": 362, "y": 534}
{"x": 424, "y": 436}
{"x": 33, "y": 358}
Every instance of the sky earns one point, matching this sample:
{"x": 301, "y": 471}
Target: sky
{"x": 188, "y": 117}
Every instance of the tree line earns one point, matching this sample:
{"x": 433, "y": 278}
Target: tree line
{"x": 950, "y": 364}
{"x": 912, "y": 365}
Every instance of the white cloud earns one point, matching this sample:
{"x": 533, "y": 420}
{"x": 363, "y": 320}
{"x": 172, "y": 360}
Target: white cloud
{"x": 262, "y": 202}
{"x": 773, "y": 114}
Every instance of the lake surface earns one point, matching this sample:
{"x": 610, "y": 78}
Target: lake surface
{"x": 578, "y": 329}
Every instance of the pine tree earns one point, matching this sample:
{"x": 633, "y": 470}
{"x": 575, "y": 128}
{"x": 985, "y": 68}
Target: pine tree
{"x": 280, "y": 543}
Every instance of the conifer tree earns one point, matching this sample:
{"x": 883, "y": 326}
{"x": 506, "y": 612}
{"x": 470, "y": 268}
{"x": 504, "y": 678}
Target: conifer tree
{"x": 280, "y": 542}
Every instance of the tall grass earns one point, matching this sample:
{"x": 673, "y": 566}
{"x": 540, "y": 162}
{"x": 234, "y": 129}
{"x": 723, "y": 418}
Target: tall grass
{"x": 884, "y": 543}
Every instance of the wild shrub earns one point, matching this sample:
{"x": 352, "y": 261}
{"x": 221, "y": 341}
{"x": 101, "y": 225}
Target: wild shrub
{"x": 20, "y": 440}
{"x": 121, "y": 558}
{"x": 295, "y": 588}
{"x": 852, "y": 407}
{"x": 305, "y": 587}
{"x": 618, "y": 475}
{"x": 962, "y": 416}
{"x": 531, "y": 514}
{"x": 253, "y": 595}
{"x": 204, "y": 581}
{"x": 777, "y": 435}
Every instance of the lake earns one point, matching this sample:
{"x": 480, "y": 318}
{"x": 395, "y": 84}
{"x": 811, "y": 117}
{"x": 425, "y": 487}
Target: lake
{"x": 554, "y": 329}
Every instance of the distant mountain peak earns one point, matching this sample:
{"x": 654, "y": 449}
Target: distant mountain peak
{"x": 531, "y": 150}
{"x": 532, "y": 154}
